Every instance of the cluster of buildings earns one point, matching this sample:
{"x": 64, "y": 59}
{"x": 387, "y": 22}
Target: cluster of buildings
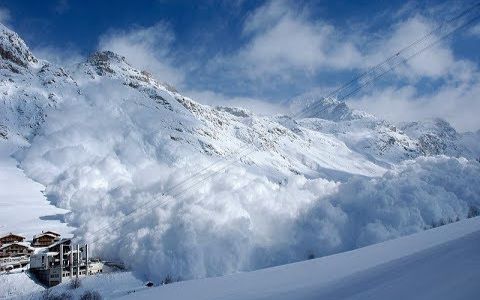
{"x": 49, "y": 257}
{"x": 14, "y": 244}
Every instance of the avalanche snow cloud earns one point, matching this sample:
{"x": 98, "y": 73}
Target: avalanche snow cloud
{"x": 106, "y": 139}
{"x": 102, "y": 157}
{"x": 101, "y": 165}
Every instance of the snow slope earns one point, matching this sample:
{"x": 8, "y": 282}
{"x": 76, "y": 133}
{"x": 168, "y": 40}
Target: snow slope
{"x": 105, "y": 138}
{"x": 441, "y": 263}
{"x": 23, "y": 207}
{"x": 110, "y": 285}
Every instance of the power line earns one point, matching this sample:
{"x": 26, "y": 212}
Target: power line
{"x": 382, "y": 68}
{"x": 173, "y": 188}
{"x": 246, "y": 154}
{"x": 394, "y": 58}
{"x": 471, "y": 21}
{"x": 155, "y": 205}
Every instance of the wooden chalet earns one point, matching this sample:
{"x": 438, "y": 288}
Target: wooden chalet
{"x": 45, "y": 239}
{"x": 11, "y": 238}
{"x": 16, "y": 249}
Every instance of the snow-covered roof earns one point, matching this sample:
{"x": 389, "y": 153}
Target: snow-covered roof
{"x": 26, "y": 245}
{"x": 10, "y": 234}
{"x": 48, "y": 233}
{"x": 52, "y": 233}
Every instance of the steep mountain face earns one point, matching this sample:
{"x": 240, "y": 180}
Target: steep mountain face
{"x": 437, "y": 137}
{"x": 28, "y": 86}
{"x": 220, "y": 189}
{"x": 224, "y": 131}
{"x": 13, "y": 51}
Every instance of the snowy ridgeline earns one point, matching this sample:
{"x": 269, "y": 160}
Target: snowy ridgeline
{"x": 441, "y": 263}
{"x": 105, "y": 139}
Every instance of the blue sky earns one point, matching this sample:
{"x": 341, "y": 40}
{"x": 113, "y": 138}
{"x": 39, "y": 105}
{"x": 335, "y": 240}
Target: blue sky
{"x": 260, "y": 54}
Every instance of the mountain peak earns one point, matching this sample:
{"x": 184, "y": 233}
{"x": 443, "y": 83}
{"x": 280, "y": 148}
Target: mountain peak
{"x": 106, "y": 56}
{"x": 312, "y": 106}
{"x": 13, "y": 50}
{"x": 105, "y": 61}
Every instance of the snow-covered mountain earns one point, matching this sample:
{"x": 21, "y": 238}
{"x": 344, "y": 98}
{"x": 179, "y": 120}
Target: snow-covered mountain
{"x": 29, "y": 86}
{"x": 222, "y": 189}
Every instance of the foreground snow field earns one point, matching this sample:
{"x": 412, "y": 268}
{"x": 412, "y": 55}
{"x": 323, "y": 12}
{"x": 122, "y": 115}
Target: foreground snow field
{"x": 18, "y": 285}
{"x": 111, "y": 285}
{"x": 441, "y": 263}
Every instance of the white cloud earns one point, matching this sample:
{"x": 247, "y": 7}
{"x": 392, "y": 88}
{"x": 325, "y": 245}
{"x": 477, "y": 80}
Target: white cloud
{"x": 147, "y": 48}
{"x": 285, "y": 45}
{"x": 265, "y": 16}
{"x": 150, "y": 48}
{"x": 455, "y": 97}
{"x": 433, "y": 63}
{"x": 456, "y": 101}
{"x": 283, "y": 40}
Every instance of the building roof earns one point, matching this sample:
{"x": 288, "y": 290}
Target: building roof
{"x": 23, "y": 244}
{"x": 52, "y": 232}
{"x": 53, "y": 235}
{"x": 10, "y": 234}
